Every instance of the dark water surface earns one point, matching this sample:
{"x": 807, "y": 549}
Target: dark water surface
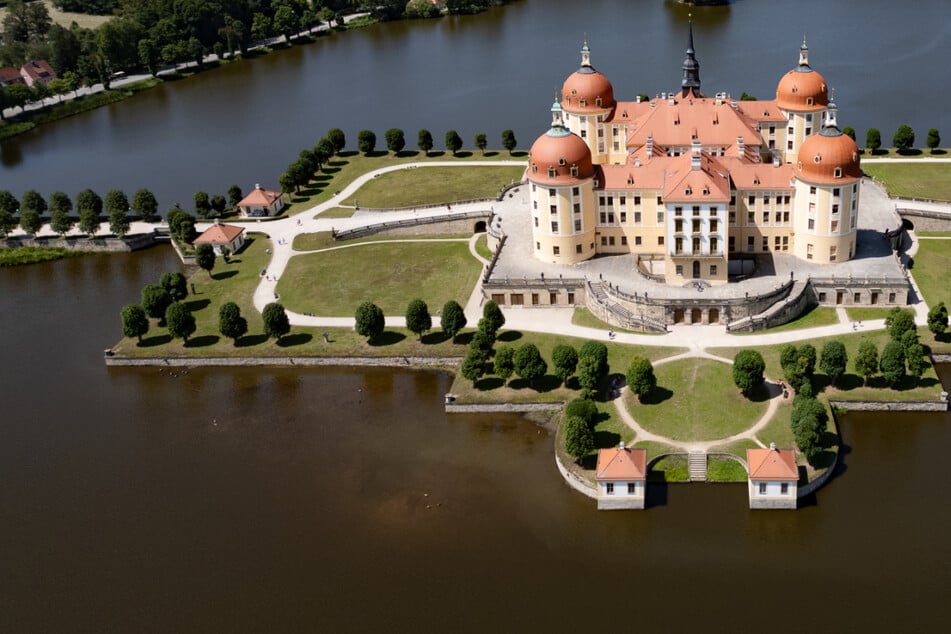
{"x": 347, "y": 500}
{"x": 246, "y": 122}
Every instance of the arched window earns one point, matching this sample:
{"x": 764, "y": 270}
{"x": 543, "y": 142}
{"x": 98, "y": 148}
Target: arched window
{"x": 551, "y": 172}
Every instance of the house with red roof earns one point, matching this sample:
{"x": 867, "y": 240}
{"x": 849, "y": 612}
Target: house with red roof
{"x": 261, "y": 203}
{"x": 10, "y": 76}
{"x": 37, "y": 72}
{"x": 622, "y": 478}
{"x": 222, "y": 237}
{"x": 773, "y": 478}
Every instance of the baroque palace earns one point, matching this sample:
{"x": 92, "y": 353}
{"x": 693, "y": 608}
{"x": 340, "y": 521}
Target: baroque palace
{"x": 692, "y": 185}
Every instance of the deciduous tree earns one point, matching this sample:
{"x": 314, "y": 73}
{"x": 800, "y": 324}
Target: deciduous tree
{"x": 366, "y": 141}
{"x": 144, "y": 205}
{"x": 833, "y": 360}
{"x": 873, "y": 140}
{"x": 60, "y": 208}
{"x": 202, "y": 204}
{"x": 529, "y": 363}
{"x": 32, "y": 201}
{"x": 230, "y": 322}
{"x": 565, "y": 360}
{"x": 898, "y": 321}
{"x": 89, "y": 205}
{"x": 866, "y": 361}
{"x": 892, "y": 363}
{"x": 30, "y": 221}
{"x": 592, "y": 365}
{"x": 504, "y": 362}
{"x": 234, "y": 196}
{"x": 748, "y": 368}
{"x": 395, "y": 142}
{"x": 418, "y": 319}
{"x": 155, "y": 300}
{"x": 904, "y": 138}
{"x": 135, "y": 322}
{"x": 424, "y": 140}
{"x": 453, "y": 141}
{"x": 337, "y": 138}
{"x": 205, "y": 257}
{"x": 453, "y": 318}
{"x": 181, "y": 322}
{"x": 579, "y": 438}
{"x": 473, "y": 365}
{"x": 508, "y": 140}
{"x": 370, "y": 321}
{"x": 481, "y": 141}
{"x": 640, "y": 377}
{"x": 8, "y": 207}
{"x": 938, "y": 319}
{"x": 276, "y": 323}
{"x": 175, "y": 285}
{"x": 493, "y": 316}
{"x": 583, "y": 408}
{"x": 934, "y": 139}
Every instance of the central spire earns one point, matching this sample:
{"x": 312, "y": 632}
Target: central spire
{"x": 691, "y": 81}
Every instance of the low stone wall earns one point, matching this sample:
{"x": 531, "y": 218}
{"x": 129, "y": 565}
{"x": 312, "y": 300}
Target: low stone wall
{"x": 940, "y": 358}
{"x": 926, "y": 220}
{"x": 482, "y": 408}
{"x": 581, "y": 486}
{"x": 891, "y": 406}
{"x": 196, "y": 362}
{"x": 815, "y": 485}
{"x": 104, "y": 245}
{"x": 621, "y": 503}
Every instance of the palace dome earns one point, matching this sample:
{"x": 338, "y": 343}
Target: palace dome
{"x": 559, "y": 158}
{"x": 802, "y": 90}
{"x": 828, "y": 157}
{"x": 587, "y": 91}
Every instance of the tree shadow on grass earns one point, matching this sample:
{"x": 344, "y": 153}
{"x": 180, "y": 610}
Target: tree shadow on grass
{"x": 202, "y": 341}
{"x": 937, "y": 151}
{"x": 910, "y": 152}
{"x": 656, "y": 396}
{"x": 224, "y": 275}
{"x": 464, "y": 338}
{"x": 432, "y": 338}
{"x": 295, "y": 339}
{"x": 763, "y": 392}
{"x": 606, "y": 439}
{"x": 490, "y": 153}
{"x": 589, "y": 462}
{"x": 848, "y": 382}
{"x": 407, "y": 153}
{"x": 489, "y": 383}
{"x": 377, "y": 153}
{"x": 518, "y": 153}
{"x": 388, "y": 338}
{"x": 157, "y": 340}
{"x": 509, "y": 335}
{"x": 197, "y": 304}
{"x": 546, "y": 383}
{"x": 463, "y": 154}
{"x": 251, "y": 340}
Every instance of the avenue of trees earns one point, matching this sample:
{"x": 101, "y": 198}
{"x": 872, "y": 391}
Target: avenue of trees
{"x": 903, "y": 140}
{"x": 86, "y": 213}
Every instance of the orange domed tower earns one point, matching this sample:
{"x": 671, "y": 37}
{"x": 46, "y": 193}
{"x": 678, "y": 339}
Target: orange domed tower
{"x": 827, "y": 179}
{"x": 561, "y": 175}
{"x": 587, "y": 98}
{"x": 802, "y": 95}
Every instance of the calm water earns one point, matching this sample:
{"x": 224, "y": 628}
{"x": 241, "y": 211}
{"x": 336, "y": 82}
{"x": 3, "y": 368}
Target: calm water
{"x": 244, "y": 123}
{"x": 345, "y": 500}
{"x": 230, "y": 500}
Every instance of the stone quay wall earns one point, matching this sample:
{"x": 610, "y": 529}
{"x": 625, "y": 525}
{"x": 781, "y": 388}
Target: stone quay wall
{"x": 891, "y": 406}
{"x": 225, "y": 362}
{"x": 104, "y": 245}
{"x": 926, "y": 220}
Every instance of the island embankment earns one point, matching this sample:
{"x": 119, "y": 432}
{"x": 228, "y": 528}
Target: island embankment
{"x": 418, "y": 362}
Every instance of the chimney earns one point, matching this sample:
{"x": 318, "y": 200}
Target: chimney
{"x": 650, "y": 146}
{"x": 695, "y": 154}
{"x": 740, "y": 146}
{"x": 772, "y": 446}
{"x": 257, "y": 185}
{"x": 622, "y": 444}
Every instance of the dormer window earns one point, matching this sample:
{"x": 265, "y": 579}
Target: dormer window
{"x": 534, "y": 169}
{"x": 799, "y": 166}
{"x": 583, "y": 102}
{"x": 838, "y": 172}
{"x": 597, "y": 101}
{"x": 808, "y": 101}
{"x": 574, "y": 171}
{"x": 794, "y": 90}
{"x": 624, "y": 115}
{"x": 630, "y": 181}
{"x": 688, "y": 191}
{"x": 561, "y": 161}
{"x": 551, "y": 172}
{"x": 817, "y": 159}
{"x": 706, "y": 191}
{"x": 573, "y": 92}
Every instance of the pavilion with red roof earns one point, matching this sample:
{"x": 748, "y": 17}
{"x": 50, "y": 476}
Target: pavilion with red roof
{"x": 622, "y": 478}
{"x": 773, "y": 478}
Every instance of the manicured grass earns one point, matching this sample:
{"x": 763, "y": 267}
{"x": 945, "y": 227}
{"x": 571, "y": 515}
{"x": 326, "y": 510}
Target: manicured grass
{"x": 891, "y": 152}
{"x": 814, "y": 317}
{"x": 850, "y": 387}
{"x": 610, "y": 429}
{"x": 491, "y": 389}
{"x": 334, "y": 283}
{"x": 720, "y": 469}
{"x": 482, "y": 247}
{"x": 866, "y": 314}
{"x": 655, "y": 449}
{"x": 323, "y": 240}
{"x": 431, "y": 185}
{"x": 932, "y": 263}
{"x": 929, "y": 181}
{"x": 342, "y": 170}
{"x": 696, "y": 399}
{"x": 669, "y": 469}
{"x": 32, "y": 255}
{"x": 737, "y": 448}
{"x": 778, "y": 430}
{"x": 338, "y": 212}
{"x": 583, "y": 317}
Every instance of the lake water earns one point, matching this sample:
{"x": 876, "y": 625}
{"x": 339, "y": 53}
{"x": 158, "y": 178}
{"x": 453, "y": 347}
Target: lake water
{"x": 246, "y": 122}
{"x": 139, "y": 500}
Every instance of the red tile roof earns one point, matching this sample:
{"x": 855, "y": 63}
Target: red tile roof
{"x": 259, "y": 197}
{"x": 10, "y": 75}
{"x": 38, "y": 70}
{"x": 219, "y": 234}
{"x": 772, "y": 464}
{"x": 622, "y": 463}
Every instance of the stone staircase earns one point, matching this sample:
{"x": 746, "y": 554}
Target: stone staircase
{"x": 697, "y": 466}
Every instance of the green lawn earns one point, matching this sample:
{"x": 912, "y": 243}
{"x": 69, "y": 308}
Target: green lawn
{"x": 389, "y": 274}
{"x": 930, "y": 181}
{"x": 850, "y": 386}
{"x": 342, "y": 170}
{"x": 583, "y": 317}
{"x": 338, "y": 212}
{"x": 737, "y": 448}
{"x": 932, "y": 264}
{"x": 491, "y": 389}
{"x": 696, "y": 399}
{"x": 866, "y": 314}
{"x": 669, "y": 469}
{"x": 482, "y": 247}
{"x": 431, "y": 185}
{"x": 720, "y": 469}
{"x": 814, "y": 317}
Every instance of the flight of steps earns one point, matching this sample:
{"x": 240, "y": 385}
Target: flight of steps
{"x": 697, "y": 466}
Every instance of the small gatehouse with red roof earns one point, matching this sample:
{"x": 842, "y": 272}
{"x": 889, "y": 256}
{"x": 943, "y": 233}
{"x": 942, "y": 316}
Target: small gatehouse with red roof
{"x": 773, "y": 478}
{"x": 622, "y": 478}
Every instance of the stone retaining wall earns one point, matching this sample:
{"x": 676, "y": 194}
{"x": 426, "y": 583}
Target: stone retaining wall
{"x": 925, "y": 220}
{"x": 482, "y": 408}
{"x": 195, "y": 362}
{"x": 891, "y": 406}
{"x": 815, "y": 485}
{"x": 104, "y": 245}
{"x": 581, "y": 486}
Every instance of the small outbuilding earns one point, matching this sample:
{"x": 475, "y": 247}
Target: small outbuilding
{"x": 36, "y": 72}
{"x": 222, "y": 237}
{"x": 622, "y": 478}
{"x": 261, "y": 203}
{"x": 773, "y": 478}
